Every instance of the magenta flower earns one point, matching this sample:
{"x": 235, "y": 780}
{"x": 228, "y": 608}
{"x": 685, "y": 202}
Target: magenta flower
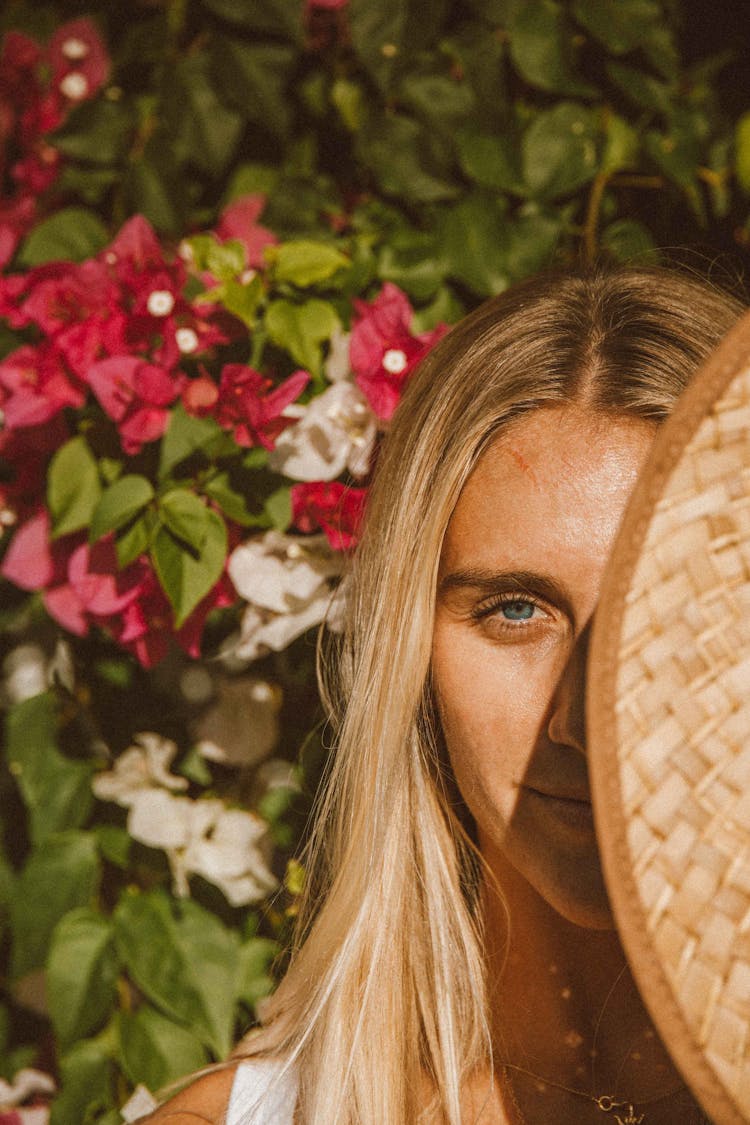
{"x": 136, "y": 395}
{"x": 78, "y": 60}
{"x": 238, "y": 220}
{"x": 331, "y": 506}
{"x": 79, "y": 582}
{"x": 249, "y": 406}
{"x": 383, "y": 351}
{"x": 36, "y": 385}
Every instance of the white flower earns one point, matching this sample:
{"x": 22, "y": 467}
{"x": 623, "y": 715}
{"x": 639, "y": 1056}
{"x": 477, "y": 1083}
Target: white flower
{"x": 337, "y": 431}
{"x": 25, "y": 672}
{"x": 286, "y": 581}
{"x": 337, "y": 365}
{"x": 139, "y": 769}
{"x": 74, "y": 48}
{"x": 187, "y": 339}
{"x": 204, "y": 837}
{"x": 28, "y": 1083}
{"x": 160, "y": 302}
{"x": 241, "y": 727}
{"x": 74, "y": 86}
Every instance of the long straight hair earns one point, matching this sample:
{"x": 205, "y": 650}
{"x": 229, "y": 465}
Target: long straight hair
{"x": 383, "y": 1011}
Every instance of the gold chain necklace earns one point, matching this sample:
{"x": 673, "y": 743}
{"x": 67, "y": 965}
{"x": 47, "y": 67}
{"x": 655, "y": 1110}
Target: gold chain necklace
{"x": 604, "y": 1102}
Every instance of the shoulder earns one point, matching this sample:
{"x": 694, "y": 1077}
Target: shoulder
{"x": 205, "y": 1100}
{"x": 264, "y": 1089}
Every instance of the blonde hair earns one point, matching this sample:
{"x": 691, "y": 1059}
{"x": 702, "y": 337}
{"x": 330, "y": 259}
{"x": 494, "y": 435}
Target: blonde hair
{"x": 383, "y": 1009}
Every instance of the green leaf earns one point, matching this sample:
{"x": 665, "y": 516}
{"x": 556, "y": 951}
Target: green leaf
{"x": 532, "y": 239}
{"x": 406, "y": 159}
{"x": 377, "y": 31}
{"x": 349, "y": 99}
{"x": 474, "y": 240}
{"x": 256, "y": 957}
{"x": 304, "y": 262}
{"x": 742, "y": 149}
{"x": 61, "y": 874}
{"x": 133, "y": 542}
{"x": 201, "y": 127}
{"x": 540, "y": 46}
{"x": 251, "y": 177}
{"x": 73, "y": 488}
{"x": 278, "y": 508}
{"x": 677, "y": 154}
{"x": 301, "y": 329}
{"x": 81, "y": 974}
{"x": 154, "y": 188}
{"x": 242, "y": 299}
{"x": 227, "y": 260}
{"x": 185, "y": 435}
{"x": 560, "y": 150}
{"x": 253, "y": 77}
{"x": 411, "y": 260}
{"x": 441, "y": 101}
{"x": 492, "y": 160}
{"x": 232, "y": 502}
{"x": 621, "y": 25}
{"x": 155, "y": 1051}
{"x": 55, "y": 789}
{"x": 641, "y": 89}
{"x": 621, "y": 145}
{"x": 276, "y": 17}
{"x": 187, "y": 577}
{"x": 628, "y": 240}
{"x": 86, "y": 1084}
{"x": 184, "y": 960}
{"x": 96, "y": 131}
{"x": 114, "y": 844}
{"x": 119, "y": 504}
{"x": 70, "y": 235}
{"x": 184, "y": 514}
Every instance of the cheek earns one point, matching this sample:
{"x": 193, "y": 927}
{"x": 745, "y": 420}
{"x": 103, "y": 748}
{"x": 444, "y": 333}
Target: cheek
{"x": 489, "y": 709}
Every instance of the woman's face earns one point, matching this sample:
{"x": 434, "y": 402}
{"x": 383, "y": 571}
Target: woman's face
{"x": 520, "y": 575}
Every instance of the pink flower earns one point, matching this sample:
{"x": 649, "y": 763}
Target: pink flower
{"x": 146, "y": 625}
{"x": 37, "y": 386}
{"x": 79, "y": 582}
{"x": 136, "y": 395}
{"x": 78, "y": 59}
{"x": 238, "y": 220}
{"x": 251, "y": 408}
{"x": 331, "y": 506}
{"x": 383, "y": 351}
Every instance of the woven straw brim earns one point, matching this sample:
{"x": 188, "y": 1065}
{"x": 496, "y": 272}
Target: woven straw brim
{"x": 668, "y": 711}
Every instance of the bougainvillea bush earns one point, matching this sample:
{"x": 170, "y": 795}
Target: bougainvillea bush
{"x": 228, "y": 235}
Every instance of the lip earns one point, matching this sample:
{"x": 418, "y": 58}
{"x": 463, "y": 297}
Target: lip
{"x": 575, "y": 811}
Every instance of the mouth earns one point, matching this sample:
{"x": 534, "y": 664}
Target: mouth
{"x": 573, "y": 809}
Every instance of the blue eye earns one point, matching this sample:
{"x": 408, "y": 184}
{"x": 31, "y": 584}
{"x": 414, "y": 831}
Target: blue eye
{"x": 518, "y": 610}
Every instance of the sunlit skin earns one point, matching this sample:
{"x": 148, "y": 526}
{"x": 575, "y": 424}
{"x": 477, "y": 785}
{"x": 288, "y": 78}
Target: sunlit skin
{"x": 520, "y": 575}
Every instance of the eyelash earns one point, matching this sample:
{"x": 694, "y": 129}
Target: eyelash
{"x": 488, "y": 609}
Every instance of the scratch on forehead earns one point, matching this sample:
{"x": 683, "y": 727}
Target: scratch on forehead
{"x": 523, "y": 464}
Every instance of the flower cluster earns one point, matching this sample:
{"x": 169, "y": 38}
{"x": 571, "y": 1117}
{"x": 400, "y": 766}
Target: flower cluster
{"x": 38, "y": 86}
{"x": 127, "y": 414}
{"x": 226, "y": 846}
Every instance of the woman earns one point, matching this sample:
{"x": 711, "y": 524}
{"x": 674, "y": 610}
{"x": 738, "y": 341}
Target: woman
{"x": 458, "y": 961}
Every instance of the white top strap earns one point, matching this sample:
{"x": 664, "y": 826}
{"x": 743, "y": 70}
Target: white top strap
{"x": 263, "y": 1093}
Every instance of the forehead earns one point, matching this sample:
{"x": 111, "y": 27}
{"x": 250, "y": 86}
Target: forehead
{"x": 553, "y": 481}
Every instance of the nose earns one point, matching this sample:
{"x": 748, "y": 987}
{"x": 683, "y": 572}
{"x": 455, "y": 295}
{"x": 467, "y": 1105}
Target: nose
{"x": 567, "y": 715}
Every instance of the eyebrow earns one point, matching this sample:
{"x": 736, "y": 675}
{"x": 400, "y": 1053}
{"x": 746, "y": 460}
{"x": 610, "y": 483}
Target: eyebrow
{"x": 496, "y": 581}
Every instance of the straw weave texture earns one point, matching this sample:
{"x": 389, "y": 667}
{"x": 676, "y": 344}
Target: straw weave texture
{"x": 683, "y": 735}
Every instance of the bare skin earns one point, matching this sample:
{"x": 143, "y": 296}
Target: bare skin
{"x": 520, "y": 576}
{"x": 519, "y": 581}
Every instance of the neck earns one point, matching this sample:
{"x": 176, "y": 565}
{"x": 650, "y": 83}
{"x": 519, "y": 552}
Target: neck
{"x": 563, "y": 1003}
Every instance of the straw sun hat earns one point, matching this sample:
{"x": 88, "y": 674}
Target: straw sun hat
{"x": 669, "y": 724}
